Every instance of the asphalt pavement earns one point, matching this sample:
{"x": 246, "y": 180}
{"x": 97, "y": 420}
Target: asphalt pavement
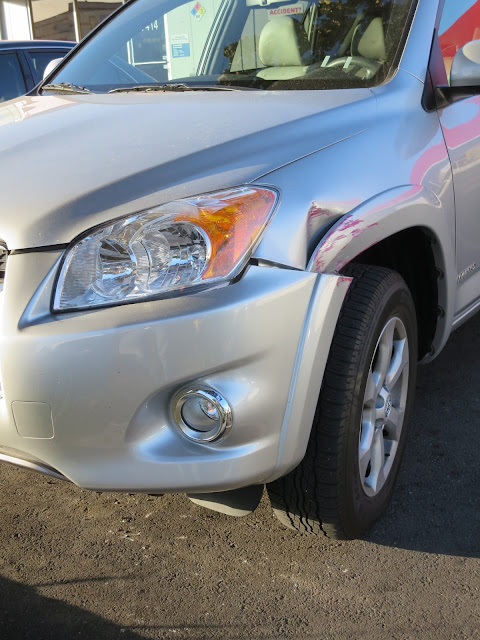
{"x": 94, "y": 566}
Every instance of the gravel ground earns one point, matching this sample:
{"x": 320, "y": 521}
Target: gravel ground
{"x": 101, "y": 566}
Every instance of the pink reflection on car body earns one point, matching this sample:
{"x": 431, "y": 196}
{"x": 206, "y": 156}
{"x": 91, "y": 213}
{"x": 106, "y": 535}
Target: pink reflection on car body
{"x": 466, "y": 131}
{"x": 340, "y": 237}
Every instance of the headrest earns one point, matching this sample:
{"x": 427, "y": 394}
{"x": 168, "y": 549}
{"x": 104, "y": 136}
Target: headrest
{"x": 284, "y": 43}
{"x": 369, "y": 40}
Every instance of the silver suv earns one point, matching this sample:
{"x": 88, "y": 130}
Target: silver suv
{"x": 245, "y": 222}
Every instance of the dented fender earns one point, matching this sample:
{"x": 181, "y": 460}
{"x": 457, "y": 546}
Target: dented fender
{"x": 383, "y": 216}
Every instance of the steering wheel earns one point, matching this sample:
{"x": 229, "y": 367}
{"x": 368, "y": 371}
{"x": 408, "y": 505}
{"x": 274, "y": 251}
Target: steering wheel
{"x": 371, "y": 66}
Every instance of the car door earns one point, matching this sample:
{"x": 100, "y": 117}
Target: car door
{"x": 460, "y": 121}
{"x": 12, "y": 78}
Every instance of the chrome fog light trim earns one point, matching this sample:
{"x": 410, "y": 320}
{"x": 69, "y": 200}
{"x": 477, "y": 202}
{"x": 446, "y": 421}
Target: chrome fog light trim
{"x": 203, "y": 415}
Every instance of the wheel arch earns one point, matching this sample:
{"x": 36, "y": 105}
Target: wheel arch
{"x": 405, "y": 229}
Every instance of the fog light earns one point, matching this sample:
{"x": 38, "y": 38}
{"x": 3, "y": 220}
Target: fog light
{"x": 202, "y": 414}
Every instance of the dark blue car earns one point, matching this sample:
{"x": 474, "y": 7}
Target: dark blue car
{"x": 22, "y": 64}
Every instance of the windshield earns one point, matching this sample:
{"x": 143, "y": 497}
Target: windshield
{"x": 241, "y": 44}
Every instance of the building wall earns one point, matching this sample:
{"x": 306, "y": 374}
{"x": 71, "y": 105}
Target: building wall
{"x": 52, "y": 19}
{"x": 59, "y": 26}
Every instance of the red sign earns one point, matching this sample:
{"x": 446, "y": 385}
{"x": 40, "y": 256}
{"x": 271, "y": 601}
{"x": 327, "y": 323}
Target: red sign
{"x": 286, "y": 11}
{"x": 465, "y": 29}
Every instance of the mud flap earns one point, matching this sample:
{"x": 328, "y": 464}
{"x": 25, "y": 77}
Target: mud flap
{"x": 238, "y": 502}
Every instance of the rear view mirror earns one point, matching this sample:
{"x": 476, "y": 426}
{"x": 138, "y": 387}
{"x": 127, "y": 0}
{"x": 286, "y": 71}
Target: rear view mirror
{"x": 51, "y": 66}
{"x": 466, "y": 66}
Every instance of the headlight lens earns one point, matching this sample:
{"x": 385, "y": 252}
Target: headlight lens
{"x": 187, "y": 243}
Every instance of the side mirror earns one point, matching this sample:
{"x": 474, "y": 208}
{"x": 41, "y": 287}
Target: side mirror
{"x": 464, "y": 76}
{"x": 466, "y": 66}
{"x": 51, "y": 66}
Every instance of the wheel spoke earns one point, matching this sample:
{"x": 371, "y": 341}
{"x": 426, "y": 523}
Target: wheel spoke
{"x": 380, "y": 480}
{"x": 376, "y": 477}
{"x": 364, "y": 459}
{"x": 398, "y": 363}
{"x": 378, "y": 451}
{"x": 394, "y": 423}
{"x": 365, "y": 445}
{"x": 384, "y": 355}
{"x": 368, "y": 431}
{"x": 371, "y": 391}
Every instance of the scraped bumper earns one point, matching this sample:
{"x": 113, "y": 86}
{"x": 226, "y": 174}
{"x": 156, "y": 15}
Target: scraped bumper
{"x": 88, "y": 395}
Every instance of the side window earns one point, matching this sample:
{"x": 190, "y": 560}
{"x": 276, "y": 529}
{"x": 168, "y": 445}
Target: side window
{"x": 40, "y": 59}
{"x": 460, "y": 24}
{"x": 12, "y": 82}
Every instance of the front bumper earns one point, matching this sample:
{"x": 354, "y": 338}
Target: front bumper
{"x": 88, "y": 394}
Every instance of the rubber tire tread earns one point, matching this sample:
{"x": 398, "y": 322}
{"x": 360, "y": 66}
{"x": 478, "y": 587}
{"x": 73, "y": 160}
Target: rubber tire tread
{"x": 307, "y": 498}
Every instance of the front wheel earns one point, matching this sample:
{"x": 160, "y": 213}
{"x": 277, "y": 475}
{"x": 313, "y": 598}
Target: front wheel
{"x": 347, "y": 476}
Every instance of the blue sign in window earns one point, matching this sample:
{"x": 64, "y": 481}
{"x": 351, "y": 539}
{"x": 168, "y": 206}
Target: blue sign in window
{"x": 180, "y": 50}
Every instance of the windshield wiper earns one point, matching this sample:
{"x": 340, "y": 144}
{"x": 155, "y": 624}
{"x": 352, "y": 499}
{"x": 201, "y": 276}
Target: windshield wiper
{"x": 64, "y": 87}
{"x": 177, "y": 87}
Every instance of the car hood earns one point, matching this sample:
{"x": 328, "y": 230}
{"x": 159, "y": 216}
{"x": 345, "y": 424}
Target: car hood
{"x": 68, "y": 163}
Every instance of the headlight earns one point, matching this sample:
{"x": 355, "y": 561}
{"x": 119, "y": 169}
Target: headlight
{"x": 183, "y": 244}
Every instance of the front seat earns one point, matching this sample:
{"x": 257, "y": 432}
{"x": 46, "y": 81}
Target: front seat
{"x": 284, "y": 49}
{"x": 369, "y": 40}
{"x": 367, "y": 50}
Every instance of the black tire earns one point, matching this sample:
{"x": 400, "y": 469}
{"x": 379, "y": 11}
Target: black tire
{"x": 327, "y": 494}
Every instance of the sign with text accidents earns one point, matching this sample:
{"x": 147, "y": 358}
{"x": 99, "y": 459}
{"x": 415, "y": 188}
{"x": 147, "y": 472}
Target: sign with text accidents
{"x": 288, "y": 10}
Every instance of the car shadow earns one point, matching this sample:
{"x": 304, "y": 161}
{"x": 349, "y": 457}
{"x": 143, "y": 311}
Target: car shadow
{"x": 26, "y": 614}
{"x": 436, "y": 505}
